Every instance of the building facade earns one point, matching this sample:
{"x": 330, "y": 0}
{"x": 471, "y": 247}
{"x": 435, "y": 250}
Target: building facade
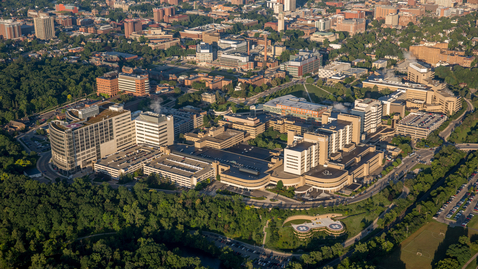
{"x": 44, "y": 27}
{"x": 370, "y": 111}
{"x": 10, "y": 29}
{"x": 154, "y": 129}
{"x": 138, "y": 85}
{"x": 107, "y": 84}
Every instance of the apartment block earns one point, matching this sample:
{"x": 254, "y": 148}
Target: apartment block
{"x": 10, "y": 29}
{"x": 136, "y": 84}
{"x": 107, "y": 84}
{"x": 370, "y": 112}
{"x": 44, "y": 27}
{"x": 131, "y": 26}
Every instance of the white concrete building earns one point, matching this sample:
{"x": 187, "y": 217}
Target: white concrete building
{"x": 370, "y": 111}
{"x": 153, "y": 129}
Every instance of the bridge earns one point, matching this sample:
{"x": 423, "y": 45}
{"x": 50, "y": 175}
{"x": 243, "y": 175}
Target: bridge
{"x": 467, "y": 147}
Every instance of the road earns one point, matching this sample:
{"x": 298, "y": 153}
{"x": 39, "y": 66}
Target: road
{"x": 44, "y": 167}
{"x": 470, "y": 260}
{"x": 467, "y": 147}
{"x": 407, "y": 164}
{"x": 252, "y": 100}
{"x": 449, "y": 129}
{"x": 452, "y": 223}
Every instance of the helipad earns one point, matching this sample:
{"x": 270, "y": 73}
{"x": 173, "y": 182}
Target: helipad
{"x": 317, "y": 224}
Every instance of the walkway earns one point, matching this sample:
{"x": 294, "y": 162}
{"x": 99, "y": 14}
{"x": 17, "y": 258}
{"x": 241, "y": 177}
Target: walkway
{"x": 305, "y": 87}
{"x": 469, "y": 261}
{"x": 265, "y": 233}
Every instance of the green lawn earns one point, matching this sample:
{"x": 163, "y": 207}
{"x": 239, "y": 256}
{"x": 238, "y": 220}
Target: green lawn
{"x": 432, "y": 241}
{"x": 356, "y": 223}
{"x": 420, "y": 166}
{"x": 317, "y": 91}
{"x": 297, "y": 221}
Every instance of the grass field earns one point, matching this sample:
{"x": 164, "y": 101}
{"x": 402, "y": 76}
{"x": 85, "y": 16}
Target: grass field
{"x": 420, "y": 166}
{"x": 317, "y": 91}
{"x": 297, "y": 221}
{"x": 432, "y": 241}
{"x": 356, "y": 223}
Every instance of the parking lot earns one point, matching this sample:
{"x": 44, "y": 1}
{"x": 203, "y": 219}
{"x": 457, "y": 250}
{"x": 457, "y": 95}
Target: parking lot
{"x": 260, "y": 257}
{"x": 36, "y": 143}
{"x": 458, "y": 210}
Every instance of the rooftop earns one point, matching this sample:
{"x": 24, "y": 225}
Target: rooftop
{"x": 180, "y": 165}
{"x": 292, "y": 101}
{"x": 129, "y": 157}
{"x": 423, "y": 120}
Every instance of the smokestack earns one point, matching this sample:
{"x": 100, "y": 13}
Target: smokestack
{"x": 248, "y": 51}
{"x": 265, "y": 48}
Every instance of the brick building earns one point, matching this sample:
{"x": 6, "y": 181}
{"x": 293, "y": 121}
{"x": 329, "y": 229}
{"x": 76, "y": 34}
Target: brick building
{"x": 67, "y": 8}
{"x": 351, "y": 26}
{"x": 382, "y": 11}
{"x": 107, "y": 84}
{"x": 132, "y": 25}
{"x": 439, "y": 52}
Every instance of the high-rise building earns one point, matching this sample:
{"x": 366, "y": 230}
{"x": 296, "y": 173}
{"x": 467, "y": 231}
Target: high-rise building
{"x": 10, "y": 29}
{"x": 94, "y": 134}
{"x": 370, "y": 112}
{"x": 158, "y": 14}
{"x": 131, "y": 26}
{"x": 154, "y": 129}
{"x": 136, "y": 84}
{"x": 44, "y": 27}
{"x": 107, "y": 84}
{"x": 289, "y": 5}
{"x": 280, "y": 23}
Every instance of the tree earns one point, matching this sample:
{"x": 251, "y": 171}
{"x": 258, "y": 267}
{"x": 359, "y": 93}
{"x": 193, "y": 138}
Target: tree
{"x": 280, "y": 185}
{"x": 310, "y": 80}
{"x": 177, "y": 90}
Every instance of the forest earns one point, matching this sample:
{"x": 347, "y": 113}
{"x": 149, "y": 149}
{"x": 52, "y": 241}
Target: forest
{"x": 32, "y": 86}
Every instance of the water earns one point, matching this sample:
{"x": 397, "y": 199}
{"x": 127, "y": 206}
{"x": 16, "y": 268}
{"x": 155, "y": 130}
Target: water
{"x": 206, "y": 260}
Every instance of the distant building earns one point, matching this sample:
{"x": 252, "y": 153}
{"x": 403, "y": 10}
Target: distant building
{"x": 10, "y": 29}
{"x": 131, "y": 26}
{"x": 66, "y": 8}
{"x": 205, "y": 53}
{"x": 209, "y": 98}
{"x": 295, "y": 107}
{"x": 378, "y": 64}
{"x": 44, "y": 27}
{"x": 381, "y": 12}
{"x": 303, "y": 63}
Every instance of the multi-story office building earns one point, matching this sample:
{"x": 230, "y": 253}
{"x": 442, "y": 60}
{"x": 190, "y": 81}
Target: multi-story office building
{"x": 10, "y": 29}
{"x": 205, "y": 53}
{"x": 93, "y": 135}
{"x": 303, "y": 63}
{"x": 418, "y": 73}
{"x": 323, "y": 24}
{"x": 107, "y": 84}
{"x": 44, "y": 27}
{"x": 136, "y": 84}
{"x": 154, "y": 129}
{"x": 370, "y": 111}
{"x": 131, "y": 26}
